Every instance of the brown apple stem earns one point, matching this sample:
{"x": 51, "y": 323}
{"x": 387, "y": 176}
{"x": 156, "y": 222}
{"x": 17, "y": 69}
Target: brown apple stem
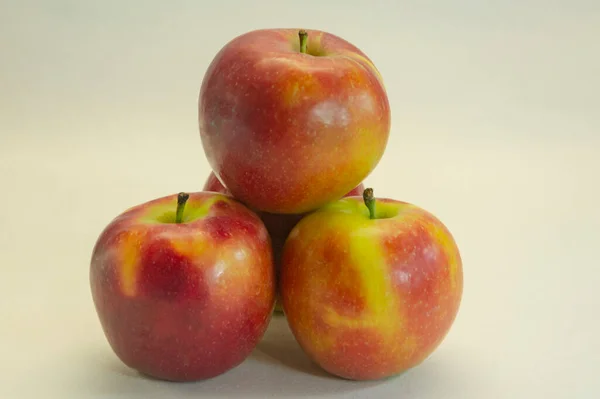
{"x": 181, "y": 200}
{"x": 369, "y": 201}
{"x": 303, "y": 35}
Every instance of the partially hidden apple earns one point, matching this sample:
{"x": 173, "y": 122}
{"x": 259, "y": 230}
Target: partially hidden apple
{"x": 370, "y": 288}
{"x": 184, "y": 285}
{"x": 278, "y": 225}
{"x": 291, "y": 120}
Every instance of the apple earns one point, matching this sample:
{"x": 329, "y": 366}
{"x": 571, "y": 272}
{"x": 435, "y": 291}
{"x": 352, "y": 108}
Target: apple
{"x": 290, "y": 120}
{"x": 370, "y": 291}
{"x": 184, "y": 290}
{"x": 278, "y": 225}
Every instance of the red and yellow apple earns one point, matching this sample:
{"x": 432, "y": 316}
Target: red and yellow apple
{"x": 370, "y": 291}
{"x": 278, "y": 225}
{"x": 291, "y": 120}
{"x": 184, "y": 291}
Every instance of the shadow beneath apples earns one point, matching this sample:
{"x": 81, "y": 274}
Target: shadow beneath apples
{"x": 277, "y": 368}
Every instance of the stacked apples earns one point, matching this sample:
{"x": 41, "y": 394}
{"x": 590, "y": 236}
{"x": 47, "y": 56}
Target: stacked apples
{"x": 291, "y": 123}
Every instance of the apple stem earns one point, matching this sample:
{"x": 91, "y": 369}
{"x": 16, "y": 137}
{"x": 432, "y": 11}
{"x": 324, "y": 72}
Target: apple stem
{"x": 181, "y": 200}
{"x": 369, "y": 201}
{"x": 303, "y": 35}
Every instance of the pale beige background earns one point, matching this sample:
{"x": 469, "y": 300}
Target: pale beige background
{"x": 496, "y": 119}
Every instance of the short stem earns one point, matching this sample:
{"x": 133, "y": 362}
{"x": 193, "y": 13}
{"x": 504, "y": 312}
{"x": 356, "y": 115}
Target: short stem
{"x": 303, "y": 35}
{"x": 181, "y": 200}
{"x": 369, "y": 201}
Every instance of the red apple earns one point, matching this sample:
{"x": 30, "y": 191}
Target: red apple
{"x": 278, "y": 225}
{"x": 370, "y": 291}
{"x": 184, "y": 295}
{"x": 291, "y": 120}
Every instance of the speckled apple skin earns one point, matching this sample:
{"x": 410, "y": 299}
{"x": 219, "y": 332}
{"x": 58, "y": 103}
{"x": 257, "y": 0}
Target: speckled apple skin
{"x": 288, "y": 132}
{"x": 368, "y": 299}
{"x": 279, "y": 226}
{"x": 186, "y": 301}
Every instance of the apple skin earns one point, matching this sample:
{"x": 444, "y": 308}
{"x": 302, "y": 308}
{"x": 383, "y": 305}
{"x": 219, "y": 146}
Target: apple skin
{"x": 369, "y": 299}
{"x": 279, "y": 226}
{"x": 287, "y": 132}
{"x": 185, "y": 301}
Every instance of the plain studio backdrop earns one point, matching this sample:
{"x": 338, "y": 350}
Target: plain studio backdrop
{"x": 495, "y": 129}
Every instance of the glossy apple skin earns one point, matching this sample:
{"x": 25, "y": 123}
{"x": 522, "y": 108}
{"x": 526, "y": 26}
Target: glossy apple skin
{"x": 188, "y": 301}
{"x": 288, "y": 132}
{"x": 368, "y": 299}
{"x": 279, "y": 226}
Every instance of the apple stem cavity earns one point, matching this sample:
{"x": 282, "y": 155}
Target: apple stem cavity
{"x": 369, "y": 202}
{"x": 303, "y": 35}
{"x": 181, "y": 200}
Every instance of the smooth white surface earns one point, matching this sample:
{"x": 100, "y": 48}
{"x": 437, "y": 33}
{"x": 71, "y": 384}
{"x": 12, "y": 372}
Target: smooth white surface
{"x": 496, "y": 130}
